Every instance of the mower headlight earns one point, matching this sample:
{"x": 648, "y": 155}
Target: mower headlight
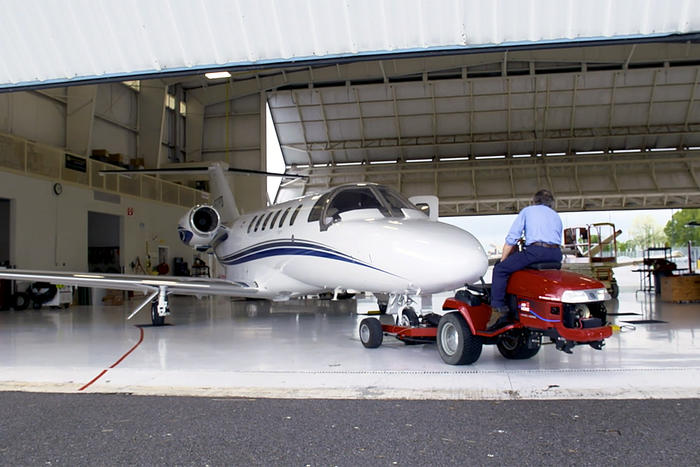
{"x": 585, "y": 296}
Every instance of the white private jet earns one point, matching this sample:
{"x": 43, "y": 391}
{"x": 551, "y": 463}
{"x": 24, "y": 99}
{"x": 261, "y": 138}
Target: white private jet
{"x": 360, "y": 237}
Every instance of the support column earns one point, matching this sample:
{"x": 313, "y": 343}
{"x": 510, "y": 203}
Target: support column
{"x": 151, "y": 123}
{"x": 194, "y": 129}
{"x": 80, "y": 115}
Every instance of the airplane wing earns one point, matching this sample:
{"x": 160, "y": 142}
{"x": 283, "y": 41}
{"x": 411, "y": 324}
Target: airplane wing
{"x": 174, "y": 284}
{"x": 157, "y": 288}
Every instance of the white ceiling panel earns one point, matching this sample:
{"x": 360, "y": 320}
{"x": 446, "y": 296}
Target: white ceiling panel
{"x": 52, "y": 42}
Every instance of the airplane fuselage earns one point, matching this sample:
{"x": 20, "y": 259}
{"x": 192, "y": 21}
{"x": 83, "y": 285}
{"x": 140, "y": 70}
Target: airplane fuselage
{"x": 327, "y": 242}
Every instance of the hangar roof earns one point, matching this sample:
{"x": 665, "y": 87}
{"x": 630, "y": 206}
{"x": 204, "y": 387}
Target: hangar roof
{"x": 49, "y": 43}
{"x": 476, "y": 102}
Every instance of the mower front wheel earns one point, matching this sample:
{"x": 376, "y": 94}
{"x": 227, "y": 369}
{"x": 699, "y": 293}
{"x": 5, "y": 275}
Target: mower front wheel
{"x": 371, "y": 333}
{"x": 455, "y": 341}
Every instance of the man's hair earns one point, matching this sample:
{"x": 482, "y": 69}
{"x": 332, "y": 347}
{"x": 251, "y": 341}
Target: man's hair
{"x": 545, "y": 198}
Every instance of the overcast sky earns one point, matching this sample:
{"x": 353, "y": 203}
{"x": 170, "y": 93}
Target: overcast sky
{"x": 493, "y": 229}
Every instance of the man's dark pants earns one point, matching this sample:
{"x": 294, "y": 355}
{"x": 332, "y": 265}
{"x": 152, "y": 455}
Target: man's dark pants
{"x": 515, "y": 262}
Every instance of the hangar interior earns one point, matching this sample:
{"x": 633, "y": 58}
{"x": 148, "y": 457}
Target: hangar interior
{"x": 606, "y": 124}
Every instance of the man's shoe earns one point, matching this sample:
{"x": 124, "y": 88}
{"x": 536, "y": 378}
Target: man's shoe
{"x": 500, "y": 316}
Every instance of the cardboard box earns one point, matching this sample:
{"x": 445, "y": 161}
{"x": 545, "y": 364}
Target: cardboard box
{"x": 113, "y": 297}
{"x": 680, "y": 288}
{"x": 137, "y": 163}
{"x": 115, "y": 158}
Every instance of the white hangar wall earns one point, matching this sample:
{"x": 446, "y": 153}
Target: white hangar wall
{"x": 234, "y": 132}
{"x": 51, "y": 232}
{"x": 43, "y": 116}
{"x": 139, "y": 124}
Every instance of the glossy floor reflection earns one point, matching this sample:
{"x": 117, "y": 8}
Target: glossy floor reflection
{"x": 310, "y": 348}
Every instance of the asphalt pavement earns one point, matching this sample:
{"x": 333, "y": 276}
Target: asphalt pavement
{"x": 119, "y": 429}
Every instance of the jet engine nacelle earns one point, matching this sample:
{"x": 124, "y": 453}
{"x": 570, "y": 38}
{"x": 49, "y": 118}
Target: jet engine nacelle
{"x": 199, "y": 226}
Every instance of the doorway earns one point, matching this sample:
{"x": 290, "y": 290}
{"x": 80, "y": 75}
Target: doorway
{"x": 104, "y": 243}
{"x": 5, "y": 227}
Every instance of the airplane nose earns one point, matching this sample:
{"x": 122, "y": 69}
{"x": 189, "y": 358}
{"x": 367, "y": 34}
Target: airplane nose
{"x": 435, "y": 256}
{"x": 458, "y": 257}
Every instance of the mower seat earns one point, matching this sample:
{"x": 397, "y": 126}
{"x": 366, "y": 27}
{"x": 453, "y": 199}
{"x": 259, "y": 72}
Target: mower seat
{"x": 544, "y": 265}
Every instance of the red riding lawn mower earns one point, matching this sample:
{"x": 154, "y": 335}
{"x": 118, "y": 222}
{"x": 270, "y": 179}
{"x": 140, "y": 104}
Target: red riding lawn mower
{"x": 566, "y": 307}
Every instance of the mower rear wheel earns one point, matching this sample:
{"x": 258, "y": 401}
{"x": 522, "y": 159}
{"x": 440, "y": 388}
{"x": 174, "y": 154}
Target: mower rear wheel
{"x": 371, "y": 333}
{"x": 513, "y": 345}
{"x": 455, "y": 341}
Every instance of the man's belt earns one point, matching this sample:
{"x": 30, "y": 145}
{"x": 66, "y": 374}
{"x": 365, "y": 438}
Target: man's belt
{"x": 546, "y": 245}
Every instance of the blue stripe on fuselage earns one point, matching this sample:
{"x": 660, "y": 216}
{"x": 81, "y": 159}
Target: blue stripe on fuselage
{"x": 291, "y": 248}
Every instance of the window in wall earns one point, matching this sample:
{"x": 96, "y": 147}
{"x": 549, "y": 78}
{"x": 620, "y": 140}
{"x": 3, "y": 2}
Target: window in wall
{"x": 174, "y": 134}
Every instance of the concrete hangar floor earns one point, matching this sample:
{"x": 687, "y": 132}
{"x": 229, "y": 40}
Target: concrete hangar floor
{"x": 311, "y": 349}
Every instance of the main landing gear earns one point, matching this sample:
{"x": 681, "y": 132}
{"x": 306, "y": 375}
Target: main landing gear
{"x": 160, "y": 308}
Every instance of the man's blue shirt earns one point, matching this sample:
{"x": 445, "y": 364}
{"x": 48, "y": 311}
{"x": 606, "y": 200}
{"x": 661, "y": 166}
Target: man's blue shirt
{"x": 540, "y": 223}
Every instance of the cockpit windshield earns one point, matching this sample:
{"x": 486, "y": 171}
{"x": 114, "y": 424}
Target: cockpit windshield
{"x": 329, "y": 207}
{"x": 395, "y": 200}
{"x": 352, "y": 199}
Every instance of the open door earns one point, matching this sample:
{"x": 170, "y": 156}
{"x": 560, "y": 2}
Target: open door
{"x": 104, "y": 243}
{"x": 5, "y": 227}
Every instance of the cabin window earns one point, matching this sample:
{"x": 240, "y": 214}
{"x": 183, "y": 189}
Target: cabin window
{"x": 294, "y": 215}
{"x": 267, "y": 218}
{"x": 274, "y": 219}
{"x": 284, "y": 216}
{"x": 257, "y": 225}
{"x": 250, "y": 226}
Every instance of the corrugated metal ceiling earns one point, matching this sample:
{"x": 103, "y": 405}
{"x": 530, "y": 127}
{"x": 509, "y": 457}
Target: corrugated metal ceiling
{"x": 54, "y": 42}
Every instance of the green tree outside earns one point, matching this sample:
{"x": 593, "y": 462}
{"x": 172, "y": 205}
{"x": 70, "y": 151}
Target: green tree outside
{"x": 646, "y": 232}
{"x": 677, "y": 232}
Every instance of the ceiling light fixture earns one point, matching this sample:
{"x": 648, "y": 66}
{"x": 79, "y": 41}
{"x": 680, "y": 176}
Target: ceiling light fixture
{"x": 217, "y": 75}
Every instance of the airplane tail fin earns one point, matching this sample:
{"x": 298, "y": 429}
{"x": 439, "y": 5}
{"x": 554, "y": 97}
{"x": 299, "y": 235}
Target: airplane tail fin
{"x": 222, "y": 194}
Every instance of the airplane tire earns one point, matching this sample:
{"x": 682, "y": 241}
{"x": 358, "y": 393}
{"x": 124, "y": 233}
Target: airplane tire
{"x": 455, "y": 341}
{"x": 371, "y": 333}
{"x": 513, "y": 345}
{"x": 156, "y": 319}
{"x": 409, "y": 318}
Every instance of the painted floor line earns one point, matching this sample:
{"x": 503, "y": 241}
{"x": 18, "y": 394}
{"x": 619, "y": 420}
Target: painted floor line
{"x": 113, "y": 365}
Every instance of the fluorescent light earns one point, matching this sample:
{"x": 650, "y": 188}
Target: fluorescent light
{"x": 217, "y": 75}
{"x": 461, "y": 158}
{"x": 418, "y": 160}
{"x": 489, "y": 157}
